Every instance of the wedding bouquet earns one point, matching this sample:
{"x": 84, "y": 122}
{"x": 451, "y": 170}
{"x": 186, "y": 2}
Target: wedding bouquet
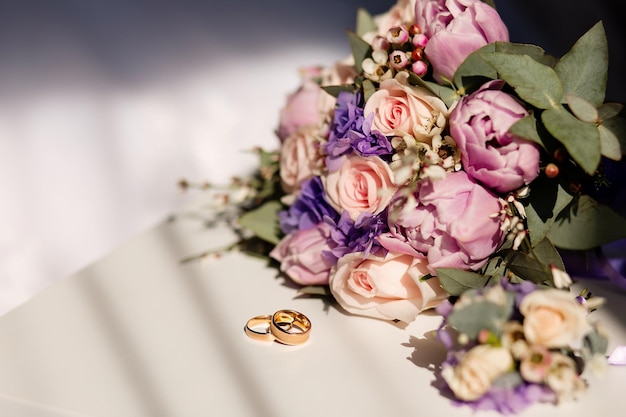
{"x": 438, "y": 162}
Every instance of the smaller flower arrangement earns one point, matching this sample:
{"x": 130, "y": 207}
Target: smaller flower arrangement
{"x": 512, "y": 345}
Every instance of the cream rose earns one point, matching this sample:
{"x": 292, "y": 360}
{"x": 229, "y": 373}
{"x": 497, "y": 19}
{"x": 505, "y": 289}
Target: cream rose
{"x": 474, "y": 375}
{"x": 401, "y": 109}
{"x": 343, "y": 72}
{"x": 362, "y": 184}
{"x": 401, "y": 13}
{"x": 300, "y": 158}
{"x": 553, "y": 318}
{"x": 384, "y": 287}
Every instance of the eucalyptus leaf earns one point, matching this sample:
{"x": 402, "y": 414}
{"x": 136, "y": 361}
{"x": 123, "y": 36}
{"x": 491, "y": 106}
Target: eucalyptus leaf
{"x": 609, "y": 110}
{"x": 609, "y": 144}
{"x": 364, "y": 22}
{"x": 582, "y": 140}
{"x": 535, "y": 83}
{"x": 583, "y": 70}
{"x": 596, "y": 343}
{"x": 617, "y": 126}
{"x": 528, "y": 267}
{"x": 526, "y": 128}
{"x": 474, "y": 65}
{"x": 535, "y": 52}
{"x": 456, "y": 281}
{"x": 586, "y": 225}
{"x": 473, "y": 318}
{"x": 582, "y": 109}
{"x": 263, "y": 221}
{"x": 360, "y": 50}
{"x": 368, "y": 89}
{"x": 334, "y": 90}
{"x": 447, "y": 94}
{"x": 547, "y": 199}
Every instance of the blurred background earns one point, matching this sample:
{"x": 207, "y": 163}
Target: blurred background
{"x": 106, "y": 105}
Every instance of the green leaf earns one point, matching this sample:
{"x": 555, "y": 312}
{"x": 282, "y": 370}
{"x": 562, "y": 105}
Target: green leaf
{"x": 588, "y": 224}
{"x": 263, "y": 221}
{"x": 364, "y": 22}
{"x": 583, "y": 70}
{"x": 535, "y": 266}
{"x": 473, "y": 318}
{"x": 609, "y": 110}
{"x": 582, "y": 140}
{"x": 447, "y": 94}
{"x": 547, "y": 199}
{"x": 474, "y": 65}
{"x": 609, "y": 144}
{"x": 526, "y": 128}
{"x": 582, "y": 109}
{"x": 535, "y": 83}
{"x": 617, "y": 127}
{"x": 456, "y": 281}
{"x": 596, "y": 343}
{"x": 360, "y": 50}
{"x": 368, "y": 89}
{"x": 334, "y": 90}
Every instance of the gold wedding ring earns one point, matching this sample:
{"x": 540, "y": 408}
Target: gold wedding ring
{"x": 290, "y": 327}
{"x": 258, "y": 328}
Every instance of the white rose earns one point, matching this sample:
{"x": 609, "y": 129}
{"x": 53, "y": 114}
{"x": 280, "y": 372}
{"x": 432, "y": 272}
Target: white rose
{"x": 553, "y": 318}
{"x": 473, "y": 376}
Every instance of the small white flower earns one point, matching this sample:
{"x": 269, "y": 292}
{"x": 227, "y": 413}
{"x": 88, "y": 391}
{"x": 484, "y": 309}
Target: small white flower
{"x": 561, "y": 278}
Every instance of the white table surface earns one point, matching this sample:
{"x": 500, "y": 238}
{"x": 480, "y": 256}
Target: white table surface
{"x": 138, "y": 334}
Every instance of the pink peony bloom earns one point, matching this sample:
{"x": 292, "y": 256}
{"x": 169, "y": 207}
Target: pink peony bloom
{"x": 479, "y": 125}
{"x": 455, "y": 29}
{"x": 449, "y": 220}
{"x": 384, "y": 287}
{"x": 300, "y": 255}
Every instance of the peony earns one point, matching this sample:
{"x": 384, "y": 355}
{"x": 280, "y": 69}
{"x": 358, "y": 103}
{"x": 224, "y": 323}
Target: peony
{"x": 477, "y": 370}
{"x": 300, "y": 255}
{"x": 361, "y": 184}
{"x": 479, "y": 124}
{"x": 301, "y": 109}
{"x": 385, "y": 287}
{"x": 449, "y": 220}
{"x": 553, "y": 318}
{"x": 300, "y": 158}
{"x": 455, "y": 29}
{"x": 401, "y": 109}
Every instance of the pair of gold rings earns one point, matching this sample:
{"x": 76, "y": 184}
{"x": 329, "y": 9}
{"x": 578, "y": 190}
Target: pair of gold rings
{"x": 288, "y": 327}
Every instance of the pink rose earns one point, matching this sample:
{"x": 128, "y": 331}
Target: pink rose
{"x": 401, "y": 109}
{"x": 300, "y": 158}
{"x": 300, "y": 255}
{"x": 455, "y": 29}
{"x": 479, "y": 124}
{"x": 361, "y": 184}
{"x": 449, "y": 220}
{"x": 301, "y": 109}
{"x": 384, "y": 287}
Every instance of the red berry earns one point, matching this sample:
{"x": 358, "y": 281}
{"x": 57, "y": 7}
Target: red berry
{"x": 551, "y": 170}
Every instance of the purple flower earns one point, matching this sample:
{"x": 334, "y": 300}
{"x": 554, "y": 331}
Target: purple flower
{"x": 512, "y": 400}
{"x": 351, "y": 132}
{"x": 350, "y": 236}
{"x": 309, "y": 209}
